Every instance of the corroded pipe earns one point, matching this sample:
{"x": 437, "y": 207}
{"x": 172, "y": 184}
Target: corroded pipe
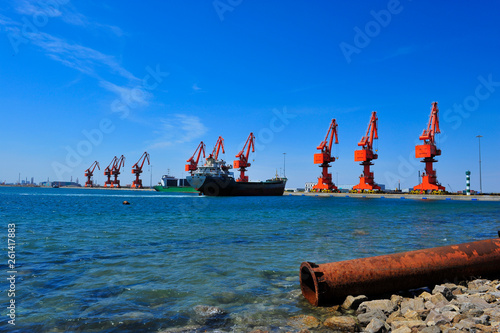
{"x": 330, "y": 283}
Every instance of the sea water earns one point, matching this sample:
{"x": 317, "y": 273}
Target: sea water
{"x": 87, "y": 263}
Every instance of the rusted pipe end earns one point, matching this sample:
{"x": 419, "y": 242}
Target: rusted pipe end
{"x": 309, "y": 282}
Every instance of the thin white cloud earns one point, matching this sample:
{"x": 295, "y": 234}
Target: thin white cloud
{"x": 195, "y": 87}
{"x": 32, "y": 8}
{"x": 179, "y": 128}
{"x": 133, "y": 97}
{"x": 84, "y": 59}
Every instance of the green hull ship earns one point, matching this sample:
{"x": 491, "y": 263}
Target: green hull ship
{"x": 174, "y": 189}
{"x": 173, "y": 185}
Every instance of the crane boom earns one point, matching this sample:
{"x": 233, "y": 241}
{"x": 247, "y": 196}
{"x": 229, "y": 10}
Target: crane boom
{"x": 242, "y": 162}
{"x": 428, "y": 135}
{"x": 192, "y": 162}
{"x": 218, "y": 145}
{"x": 371, "y": 133}
{"x": 326, "y": 145}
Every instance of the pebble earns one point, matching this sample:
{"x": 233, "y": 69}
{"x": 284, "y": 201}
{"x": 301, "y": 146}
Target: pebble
{"x": 449, "y": 308}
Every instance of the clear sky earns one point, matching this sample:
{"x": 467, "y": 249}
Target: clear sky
{"x": 87, "y": 80}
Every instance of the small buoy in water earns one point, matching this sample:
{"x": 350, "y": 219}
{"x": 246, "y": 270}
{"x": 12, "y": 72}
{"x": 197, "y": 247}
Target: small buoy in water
{"x": 126, "y": 203}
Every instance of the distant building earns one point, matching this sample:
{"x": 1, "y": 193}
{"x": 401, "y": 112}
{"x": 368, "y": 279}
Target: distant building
{"x": 309, "y": 186}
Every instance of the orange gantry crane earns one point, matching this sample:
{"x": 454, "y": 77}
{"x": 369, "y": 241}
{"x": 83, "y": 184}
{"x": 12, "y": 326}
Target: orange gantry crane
{"x": 428, "y": 151}
{"x": 137, "y": 170}
{"x": 107, "y": 172}
{"x": 324, "y": 158}
{"x": 115, "y": 171}
{"x": 192, "y": 162}
{"x": 242, "y": 158}
{"x": 90, "y": 172}
{"x": 366, "y": 155}
{"x": 218, "y": 145}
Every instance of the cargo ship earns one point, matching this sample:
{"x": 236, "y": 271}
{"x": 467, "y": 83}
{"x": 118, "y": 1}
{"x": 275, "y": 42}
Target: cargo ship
{"x": 173, "y": 185}
{"x": 215, "y": 179}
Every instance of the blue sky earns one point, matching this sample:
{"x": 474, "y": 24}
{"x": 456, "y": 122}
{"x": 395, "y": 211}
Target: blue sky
{"x": 87, "y": 80}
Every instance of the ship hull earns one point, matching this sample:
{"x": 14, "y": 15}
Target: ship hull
{"x": 227, "y": 186}
{"x": 175, "y": 189}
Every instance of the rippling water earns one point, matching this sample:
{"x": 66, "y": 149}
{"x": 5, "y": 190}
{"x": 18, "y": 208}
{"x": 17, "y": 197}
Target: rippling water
{"x": 88, "y": 263}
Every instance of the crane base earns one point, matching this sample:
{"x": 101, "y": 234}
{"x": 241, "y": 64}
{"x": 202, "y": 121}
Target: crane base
{"x": 324, "y": 186}
{"x": 366, "y": 184}
{"x": 428, "y": 186}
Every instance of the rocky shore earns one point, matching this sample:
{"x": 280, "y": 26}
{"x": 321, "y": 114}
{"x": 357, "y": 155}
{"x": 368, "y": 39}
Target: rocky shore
{"x": 465, "y": 307}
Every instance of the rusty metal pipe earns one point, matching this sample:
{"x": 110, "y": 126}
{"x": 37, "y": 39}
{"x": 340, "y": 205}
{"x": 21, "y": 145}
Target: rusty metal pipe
{"x": 330, "y": 283}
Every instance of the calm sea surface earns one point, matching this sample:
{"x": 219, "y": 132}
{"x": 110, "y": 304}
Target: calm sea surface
{"x": 88, "y": 263}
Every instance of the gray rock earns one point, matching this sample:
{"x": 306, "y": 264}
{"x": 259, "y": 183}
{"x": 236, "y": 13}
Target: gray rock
{"x": 208, "y": 311}
{"x": 408, "y": 323}
{"x": 431, "y": 329}
{"x": 473, "y": 285}
{"x": 402, "y": 329}
{"x": 387, "y": 306}
{"x": 396, "y": 299}
{"x": 483, "y": 320}
{"x": 376, "y": 326}
{"x": 206, "y": 314}
{"x": 474, "y": 303}
{"x": 352, "y": 302}
{"x": 414, "y": 304}
{"x": 436, "y": 318}
{"x": 443, "y": 290}
{"x": 449, "y": 307}
{"x": 438, "y": 299}
{"x": 450, "y": 315}
{"x": 494, "y": 313}
{"x": 465, "y": 324}
{"x": 365, "y": 318}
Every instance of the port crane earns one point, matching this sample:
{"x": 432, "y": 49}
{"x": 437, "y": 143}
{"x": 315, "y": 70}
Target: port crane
{"x": 218, "y": 145}
{"x": 115, "y": 171}
{"x": 324, "y": 158}
{"x": 137, "y": 170}
{"x": 192, "y": 162}
{"x": 90, "y": 172}
{"x": 428, "y": 151}
{"x": 366, "y": 155}
{"x": 242, "y": 158}
{"x": 107, "y": 172}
